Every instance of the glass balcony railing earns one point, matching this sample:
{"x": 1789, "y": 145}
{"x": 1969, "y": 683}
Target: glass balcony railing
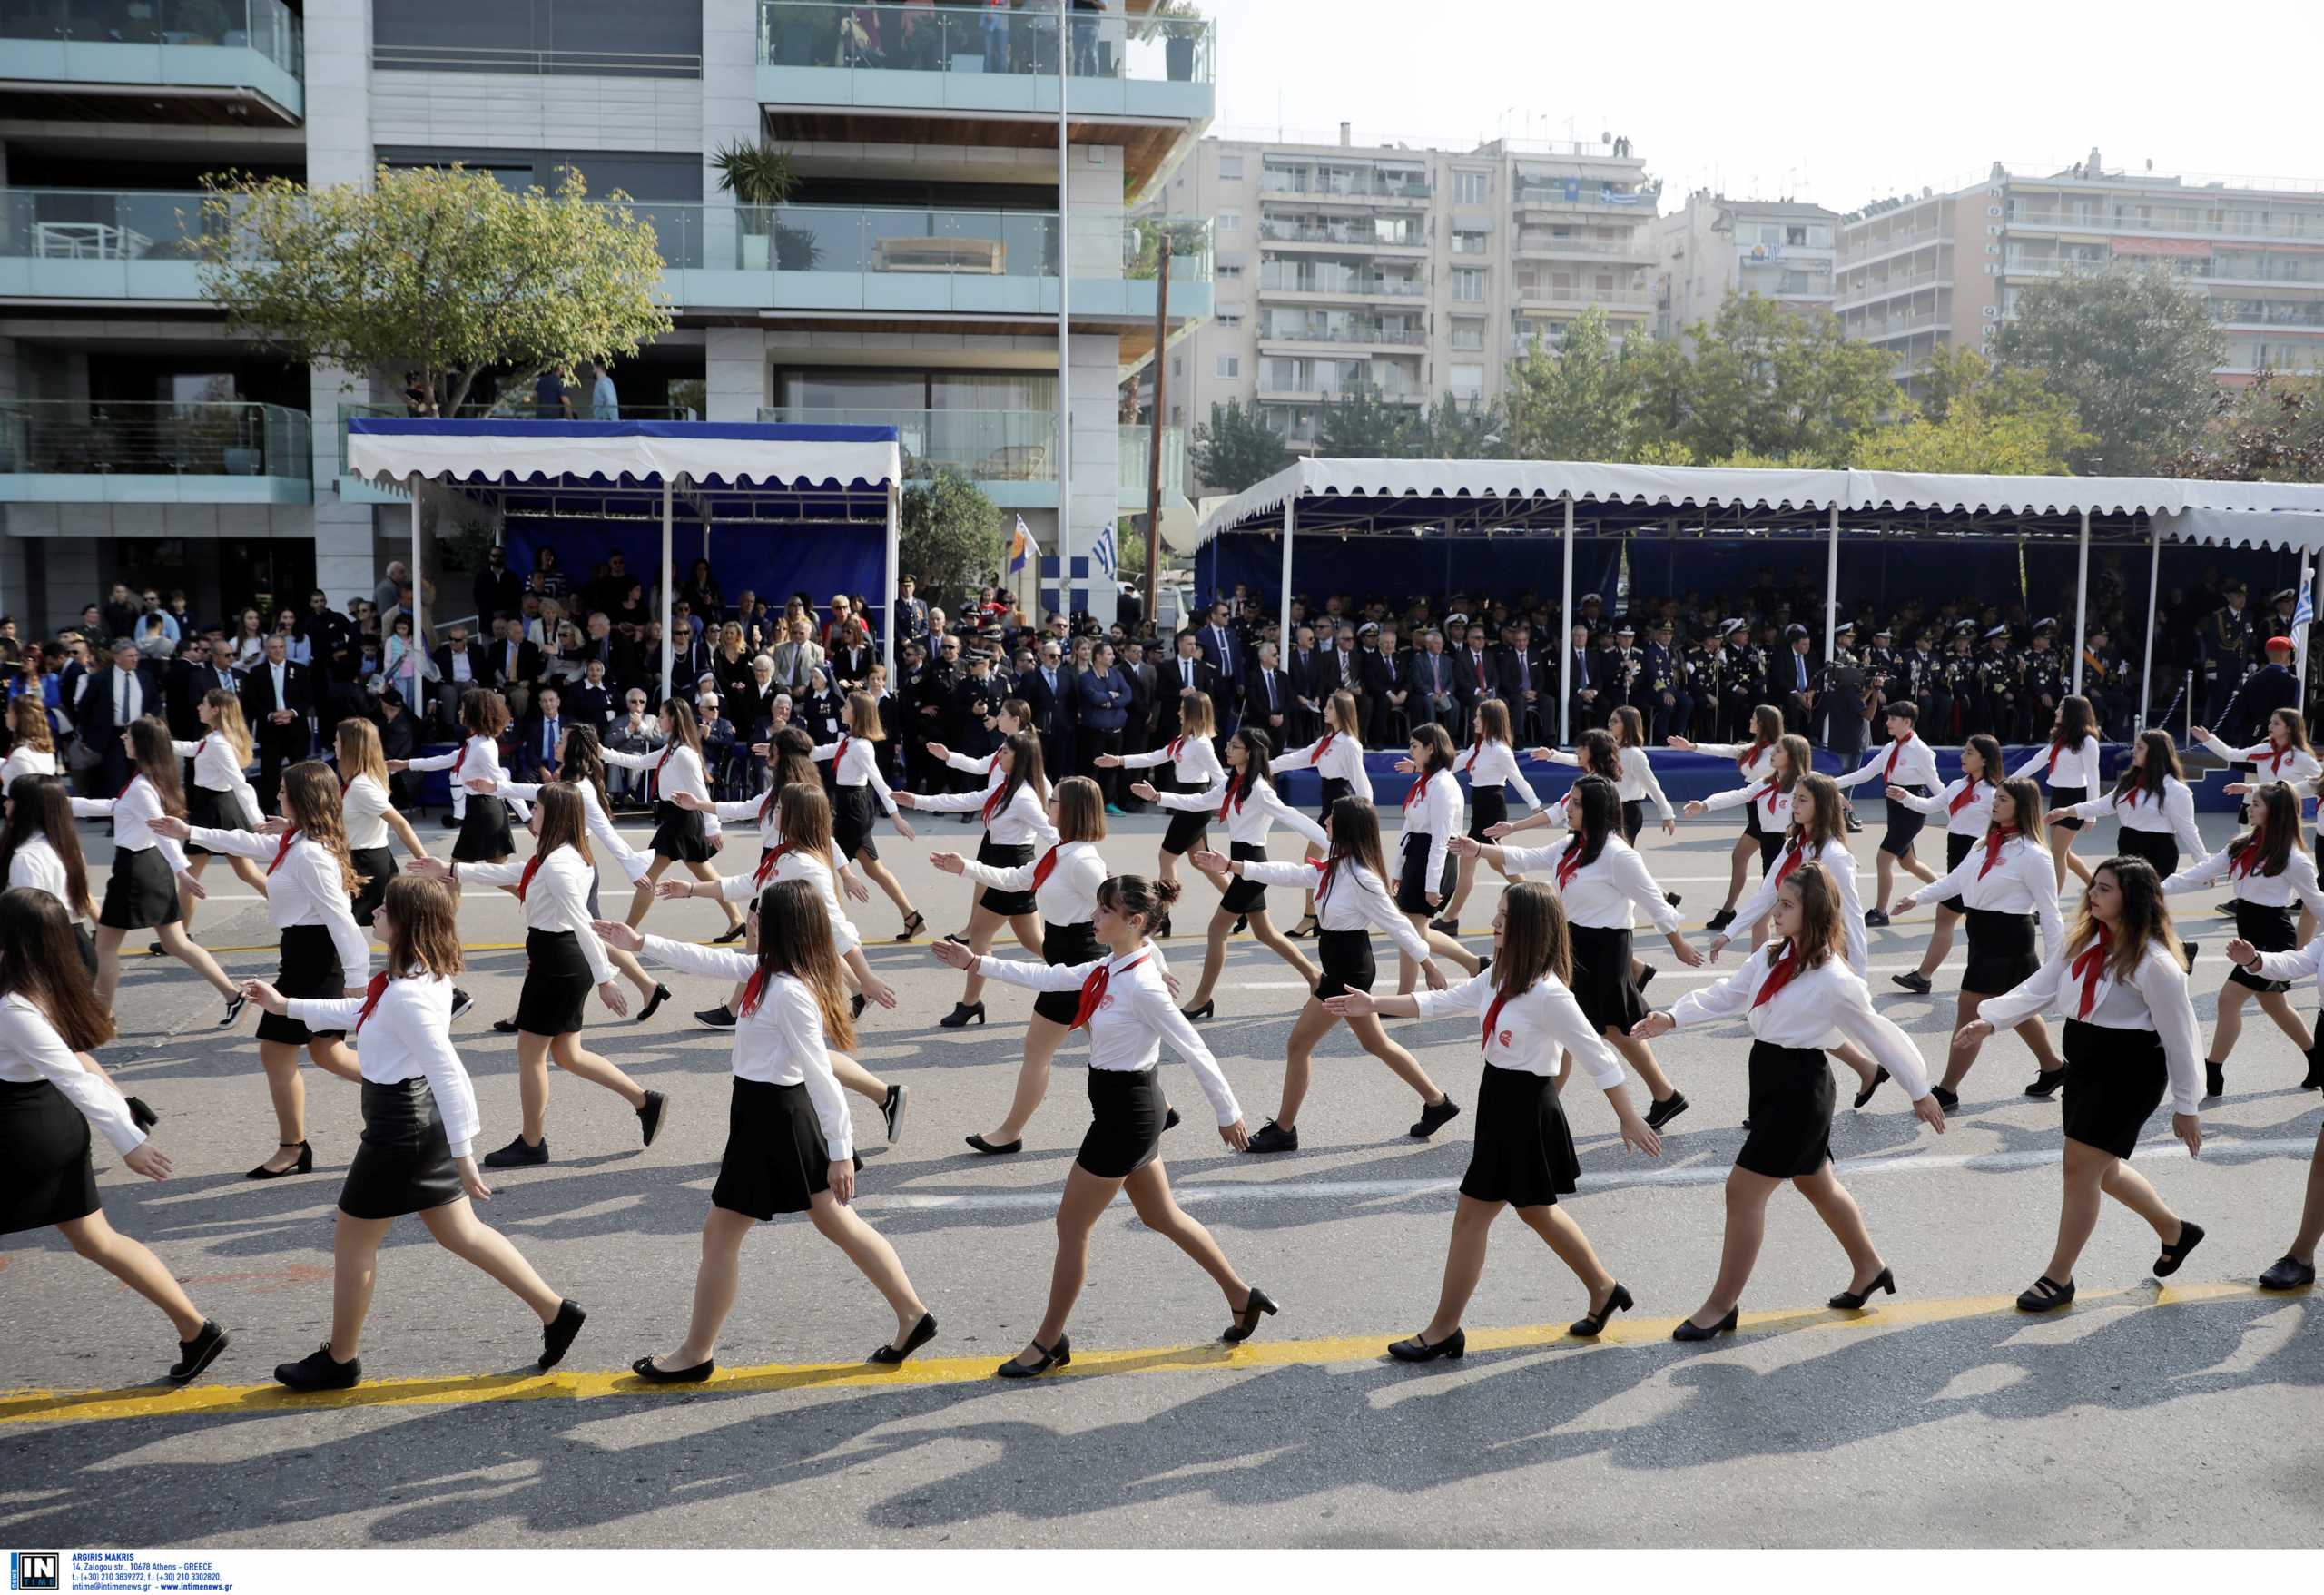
{"x": 84, "y": 438}
{"x": 985, "y": 41}
{"x": 2303, "y": 224}
{"x": 267, "y": 28}
{"x": 1343, "y": 186}
{"x": 1293, "y": 333}
{"x": 1278, "y": 277}
{"x": 88, "y": 224}
{"x": 1137, "y": 454}
{"x": 983, "y": 445}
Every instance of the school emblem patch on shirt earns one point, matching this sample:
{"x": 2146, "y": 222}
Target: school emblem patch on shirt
{"x": 1503, "y": 1038}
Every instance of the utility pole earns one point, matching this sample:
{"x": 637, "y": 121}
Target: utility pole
{"x": 1154, "y": 442}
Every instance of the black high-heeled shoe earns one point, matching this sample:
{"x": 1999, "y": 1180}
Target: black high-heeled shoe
{"x": 1879, "y": 1077}
{"x": 1690, "y": 1330}
{"x": 1207, "y": 1010}
{"x": 1056, "y": 1356}
{"x": 731, "y": 933}
{"x": 1852, "y": 1301}
{"x": 1593, "y": 1323}
{"x": 1242, "y": 923}
{"x": 306, "y": 1164}
{"x": 1451, "y": 1348}
{"x": 661, "y": 995}
{"x": 2045, "y": 1083}
{"x": 645, "y": 1369}
{"x": 855, "y": 1006}
{"x": 1257, "y": 1304}
{"x": 1307, "y": 926}
{"x": 962, "y": 1012}
{"x": 893, "y": 1357}
{"x": 914, "y": 923}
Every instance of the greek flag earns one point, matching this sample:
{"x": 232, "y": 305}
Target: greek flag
{"x": 1103, "y": 551}
{"x": 2304, "y": 612}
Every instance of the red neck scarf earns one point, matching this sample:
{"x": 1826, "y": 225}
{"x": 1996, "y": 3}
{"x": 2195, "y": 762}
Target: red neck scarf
{"x": 667, "y": 754}
{"x": 1994, "y": 841}
{"x": 1963, "y": 799}
{"x": 532, "y": 868}
{"x": 1238, "y": 787}
{"x": 1324, "y": 746}
{"x": 1419, "y": 789}
{"x": 1323, "y": 874}
{"x": 1045, "y": 869}
{"x": 842, "y": 754}
{"x": 1093, "y": 992}
{"x": 125, "y": 785}
{"x": 767, "y": 804}
{"x": 2248, "y": 860}
{"x": 2275, "y": 758}
{"x": 767, "y": 861}
{"x": 754, "y": 989}
{"x": 283, "y": 853}
{"x": 1569, "y": 863}
{"x": 201, "y": 744}
{"x": 1176, "y": 743}
{"x": 1492, "y": 1018}
{"x": 1475, "y": 749}
{"x": 2089, "y": 966}
{"x": 1781, "y": 970}
{"x": 376, "y": 988}
{"x": 1894, "y": 748}
{"x": 992, "y": 802}
{"x": 1792, "y": 858}
{"x": 1768, "y": 794}
{"x": 459, "y": 760}
{"x": 2052, "y": 772}
{"x": 1752, "y": 755}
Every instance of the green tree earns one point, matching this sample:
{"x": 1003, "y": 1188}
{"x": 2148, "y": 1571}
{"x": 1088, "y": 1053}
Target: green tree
{"x": 2134, "y": 353}
{"x": 1361, "y": 425}
{"x": 1454, "y": 429}
{"x": 1977, "y": 418}
{"x": 1772, "y": 384}
{"x": 1235, "y": 448}
{"x": 2272, "y": 431}
{"x": 1579, "y": 401}
{"x": 441, "y": 273}
{"x": 949, "y": 533}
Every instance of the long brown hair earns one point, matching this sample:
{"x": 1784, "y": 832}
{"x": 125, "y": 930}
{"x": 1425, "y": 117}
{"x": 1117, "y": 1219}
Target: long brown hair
{"x": 226, "y": 711}
{"x": 1534, "y": 939}
{"x": 40, "y": 960}
{"x": 585, "y": 762}
{"x": 2144, "y": 921}
{"x": 1799, "y": 759}
{"x": 1823, "y": 932}
{"x": 425, "y": 921}
{"x": 1632, "y": 726}
{"x": 796, "y": 940}
{"x": 1437, "y": 743}
{"x": 2275, "y": 825}
{"x": 1197, "y": 716}
{"x": 1493, "y": 721}
{"x": 2076, "y": 724}
{"x": 1989, "y": 761}
{"x": 359, "y": 752}
{"x": 1600, "y": 805}
{"x": 310, "y": 801}
{"x": 483, "y": 712}
{"x": 1818, "y": 817}
{"x": 1024, "y": 769}
{"x": 1766, "y": 730}
{"x": 1080, "y": 810}
{"x": 1355, "y": 827}
{"x": 42, "y": 806}
{"x": 683, "y": 728}
{"x": 863, "y": 718}
{"x": 1339, "y": 714}
{"x": 1599, "y": 754}
{"x": 2028, "y": 798}
{"x": 564, "y": 823}
{"x": 2294, "y": 723}
{"x": 792, "y": 755}
{"x": 28, "y": 722}
{"x": 2162, "y": 763}
{"x": 805, "y": 815}
{"x": 156, "y": 758}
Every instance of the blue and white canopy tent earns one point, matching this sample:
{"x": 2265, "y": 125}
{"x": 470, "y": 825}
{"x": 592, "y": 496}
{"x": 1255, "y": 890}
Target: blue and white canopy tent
{"x": 820, "y": 499}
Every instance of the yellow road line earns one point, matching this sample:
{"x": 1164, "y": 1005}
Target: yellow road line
{"x": 33, "y": 1406}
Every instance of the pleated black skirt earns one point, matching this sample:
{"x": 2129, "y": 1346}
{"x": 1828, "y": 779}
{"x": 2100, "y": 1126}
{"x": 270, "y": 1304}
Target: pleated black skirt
{"x": 1791, "y": 1112}
{"x": 484, "y": 834}
{"x": 2159, "y": 848}
{"x": 556, "y": 989}
{"x": 852, "y": 817}
{"x": 1243, "y": 895}
{"x": 309, "y": 968}
{"x": 1601, "y": 977}
{"x": 377, "y": 865}
{"x": 1333, "y": 789}
{"x": 2003, "y": 953}
{"x": 1125, "y": 1123}
{"x": 776, "y": 1159}
{"x": 1064, "y": 944}
{"x": 2115, "y": 1079}
{"x": 213, "y": 811}
{"x": 1007, "y": 905}
{"x": 2065, "y": 797}
{"x": 2270, "y": 929}
{"x": 1186, "y": 827}
{"x": 1752, "y": 820}
{"x": 1346, "y": 957}
{"x": 404, "y": 1164}
{"x": 1524, "y": 1154}
{"x": 1904, "y": 827}
{"x": 1488, "y": 807}
{"x": 1411, "y": 880}
{"x": 680, "y": 833}
{"x": 45, "y": 1175}
{"x": 142, "y": 891}
{"x": 1957, "y": 848}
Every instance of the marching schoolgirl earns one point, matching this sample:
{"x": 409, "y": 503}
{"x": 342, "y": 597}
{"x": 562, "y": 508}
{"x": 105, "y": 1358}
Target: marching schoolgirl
{"x": 1906, "y": 764}
{"x": 222, "y": 797}
{"x": 2009, "y": 888}
{"x": 790, "y": 759}
{"x": 1130, "y": 1013}
{"x": 1754, "y": 761}
{"x": 1195, "y": 768}
{"x": 2152, "y": 808}
{"x": 1599, "y": 877}
{"x": 2069, "y": 766}
{"x": 855, "y": 778}
{"x": 1016, "y": 822}
{"x": 683, "y": 833}
{"x": 1015, "y": 714}
{"x": 2130, "y": 1037}
{"x": 1245, "y": 802}
{"x": 2265, "y": 868}
{"x": 148, "y": 870}
{"x": 1351, "y": 899}
{"x": 39, "y": 849}
{"x": 485, "y": 837}
{"x": 1491, "y": 765}
{"x": 564, "y": 958}
{"x": 2297, "y": 1267}
{"x": 50, "y": 1018}
{"x": 419, "y": 1125}
{"x": 790, "y": 1142}
{"x": 369, "y": 815}
{"x": 1426, "y": 861}
{"x": 1338, "y": 759}
{"x": 1632, "y": 773}
{"x": 1769, "y": 802}
{"x": 1794, "y": 992}
{"x": 1525, "y": 1156}
{"x": 1967, "y": 805}
{"x": 2284, "y": 756}
{"x": 310, "y": 885}
{"x": 32, "y": 741}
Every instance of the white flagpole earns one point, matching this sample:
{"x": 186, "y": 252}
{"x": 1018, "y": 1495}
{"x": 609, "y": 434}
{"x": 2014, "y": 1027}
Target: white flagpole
{"x": 2301, "y": 628}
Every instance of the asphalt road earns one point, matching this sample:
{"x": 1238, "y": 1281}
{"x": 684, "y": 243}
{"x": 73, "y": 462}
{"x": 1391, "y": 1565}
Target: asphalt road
{"x": 2143, "y": 1415}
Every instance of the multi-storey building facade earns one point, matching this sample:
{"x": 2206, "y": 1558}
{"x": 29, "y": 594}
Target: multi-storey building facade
{"x": 912, "y": 280}
{"x": 1712, "y": 246}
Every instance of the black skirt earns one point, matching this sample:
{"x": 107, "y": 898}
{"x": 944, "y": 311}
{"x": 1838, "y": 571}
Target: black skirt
{"x": 1957, "y": 848}
{"x": 2159, "y": 848}
{"x": 1791, "y": 1112}
{"x": 1751, "y": 822}
{"x": 404, "y": 1164}
{"x": 557, "y": 984}
{"x": 2115, "y": 1079}
{"x": 1771, "y": 846}
{"x": 1333, "y": 790}
{"x": 2270, "y": 929}
{"x": 377, "y": 865}
{"x": 852, "y": 819}
{"x": 1488, "y": 806}
{"x": 2003, "y": 953}
{"x": 484, "y": 831}
{"x": 213, "y": 811}
{"x": 2065, "y": 797}
{"x": 1412, "y": 881}
{"x": 1125, "y": 1123}
{"x": 46, "y": 1176}
{"x": 1007, "y": 905}
{"x": 776, "y": 1159}
{"x": 1346, "y": 957}
{"x": 1064, "y": 944}
{"x": 1245, "y": 895}
{"x": 1633, "y": 819}
{"x": 88, "y": 947}
{"x": 310, "y": 968}
{"x": 680, "y": 833}
{"x": 1904, "y": 827}
{"x": 1524, "y": 1154}
{"x": 1186, "y": 827}
{"x": 142, "y": 891}
{"x": 1601, "y": 977}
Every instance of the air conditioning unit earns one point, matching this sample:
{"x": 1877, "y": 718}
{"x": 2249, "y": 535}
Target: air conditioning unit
{"x": 1992, "y": 249}
{"x": 1991, "y": 270}
{"x": 1993, "y": 210}
{"x": 1993, "y": 312}
{"x": 1993, "y": 230}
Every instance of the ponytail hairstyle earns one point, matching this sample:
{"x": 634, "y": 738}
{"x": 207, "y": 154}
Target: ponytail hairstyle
{"x": 1355, "y": 826}
{"x": 1024, "y": 769}
{"x": 1435, "y": 745}
{"x": 425, "y": 920}
{"x": 2161, "y": 762}
{"x": 1799, "y": 759}
{"x": 795, "y": 758}
{"x": 564, "y": 822}
{"x": 806, "y": 819}
{"x": 796, "y": 940}
{"x": 584, "y": 763}
{"x": 1534, "y": 939}
{"x": 2027, "y": 796}
{"x": 1629, "y": 727}
{"x": 2294, "y": 723}
{"x": 1016, "y": 709}
{"x": 1596, "y": 753}
{"x": 1339, "y": 715}
{"x": 2275, "y": 825}
{"x": 483, "y": 712}
{"x": 683, "y": 729}
{"x": 1819, "y": 818}
{"x": 28, "y": 722}
{"x": 42, "y": 806}
{"x": 1136, "y": 897}
{"x": 1990, "y": 768}
{"x": 2076, "y": 724}
{"x": 1766, "y": 730}
{"x": 2144, "y": 921}
{"x": 156, "y": 758}
{"x": 359, "y": 754}
{"x": 1080, "y": 810}
{"x": 1493, "y": 721}
{"x": 1823, "y": 933}
{"x": 40, "y": 960}
{"x": 1598, "y": 814}
{"x": 226, "y": 720}
{"x": 863, "y": 718}
{"x": 310, "y": 802}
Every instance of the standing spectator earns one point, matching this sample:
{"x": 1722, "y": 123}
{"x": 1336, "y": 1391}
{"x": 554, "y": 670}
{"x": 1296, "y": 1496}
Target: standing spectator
{"x": 184, "y": 681}
{"x": 842, "y": 615}
{"x": 275, "y": 698}
{"x": 1305, "y": 669}
{"x": 589, "y": 700}
{"x": 515, "y": 663}
{"x": 797, "y": 658}
{"x": 496, "y": 589}
{"x": 1268, "y": 702}
{"x": 537, "y": 738}
{"x": 388, "y": 590}
{"x": 702, "y": 591}
{"x": 1434, "y": 685}
{"x": 109, "y": 701}
{"x": 120, "y": 617}
{"x": 1180, "y": 679}
{"x": 1587, "y": 692}
{"x": 1049, "y": 689}
{"x": 548, "y": 580}
{"x": 1138, "y": 731}
{"x": 248, "y": 641}
{"x": 1224, "y": 648}
{"x": 1102, "y": 706}
{"x": 609, "y": 589}
{"x": 605, "y": 404}
{"x": 551, "y": 402}
{"x": 399, "y": 740}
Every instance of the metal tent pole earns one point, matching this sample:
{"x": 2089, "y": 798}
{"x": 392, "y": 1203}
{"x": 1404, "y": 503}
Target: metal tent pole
{"x": 1064, "y": 361}
{"x": 2153, "y": 576}
{"x": 1832, "y": 584}
{"x": 895, "y": 571}
{"x": 1290, "y": 529}
{"x": 419, "y": 589}
{"x": 669, "y": 687}
{"x": 1565, "y": 650}
{"x": 2080, "y": 600}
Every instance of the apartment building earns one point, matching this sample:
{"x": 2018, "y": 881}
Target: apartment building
{"x": 1414, "y": 273}
{"x": 1712, "y": 246}
{"x": 914, "y": 279}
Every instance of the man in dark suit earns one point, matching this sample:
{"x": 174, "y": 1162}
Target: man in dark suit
{"x": 537, "y": 737}
{"x": 399, "y": 739}
{"x": 1138, "y": 731}
{"x": 276, "y": 697}
{"x": 516, "y": 662}
{"x": 1520, "y": 674}
{"x": 496, "y": 590}
{"x": 1305, "y": 671}
{"x": 1222, "y": 646}
{"x": 1794, "y": 676}
{"x": 459, "y": 665}
{"x": 1187, "y": 674}
{"x": 1478, "y": 670}
{"x": 1048, "y": 687}
{"x": 1435, "y": 685}
{"x": 620, "y": 658}
{"x": 1587, "y": 692}
{"x": 1267, "y": 702}
{"x": 109, "y": 701}
{"x": 183, "y": 684}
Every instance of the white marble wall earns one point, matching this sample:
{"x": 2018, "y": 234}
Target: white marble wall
{"x": 340, "y": 145}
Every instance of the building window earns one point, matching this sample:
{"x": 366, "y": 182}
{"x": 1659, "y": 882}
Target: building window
{"x": 1469, "y": 286}
{"x": 1230, "y": 168}
{"x": 1468, "y": 334}
{"x": 1228, "y": 369}
{"x": 1230, "y": 221}
{"x": 1228, "y": 270}
{"x": 1465, "y": 381}
{"x": 1468, "y": 242}
{"x": 1177, "y": 366}
{"x": 1472, "y": 188}
{"x": 1230, "y": 315}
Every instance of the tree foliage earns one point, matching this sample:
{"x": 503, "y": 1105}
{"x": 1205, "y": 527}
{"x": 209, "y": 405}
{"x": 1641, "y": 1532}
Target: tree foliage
{"x": 1361, "y": 425}
{"x": 2132, "y": 351}
{"x": 441, "y": 273}
{"x": 1772, "y": 384}
{"x": 1976, "y": 418}
{"x": 1235, "y": 448}
{"x": 949, "y": 533}
{"x": 2272, "y": 431}
{"x": 1458, "y": 429}
{"x": 1582, "y": 400}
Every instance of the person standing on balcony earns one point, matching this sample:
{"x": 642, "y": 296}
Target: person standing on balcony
{"x": 605, "y": 404}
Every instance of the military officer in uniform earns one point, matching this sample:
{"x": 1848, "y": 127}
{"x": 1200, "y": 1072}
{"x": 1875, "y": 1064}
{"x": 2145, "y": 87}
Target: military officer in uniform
{"x": 1961, "y": 680}
{"x": 2042, "y": 677}
{"x": 1670, "y": 707}
{"x": 1628, "y": 674}
{"x": 2226, "y": 643}
{"x": 1997, "y": 684}
{"x": 1839, "y": 701}
{"x": 1742, "y": 680}
{"x": 2277, "y": 623}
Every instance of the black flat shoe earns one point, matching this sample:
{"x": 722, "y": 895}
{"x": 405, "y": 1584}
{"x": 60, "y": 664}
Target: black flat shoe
{"x": 2214, "y": 1080}
{"x": 305, "y": 1165}
{"x": 649, "y": 1117}
{"x": 1449, "y": 927}
{"x": 195, "y": 1355}
{"x": 661, "y": 995}
{"x": 1948, "y": 1099}
{"x": 1242, "y": 923}
{"x": 516, "y": 1155}
{"x": 1271, "y": 1136}
{"x": 2045, "y": 1084}
{"x": 1451, "y": 1348}
{"x": 645, "y": 1369}
{"x": 2044, "y": 1296}
{"x": 1207, "y": 1010}
{"x": 1434, "y": 1117}
{"x": 893, "y": 1357}
{"x": 2314, "y": 1078}
{"x": 1592, "y": 1324}
{"x": 1851, "y": 1301}
{"x": 731, "y": 933}
{"x": 556, "y": 1334}
{"x": 914, "y": 923}
{"x": 1690, "y": 1330}
{"x": 140, "y": 1115}
{"x": 1056, "y": 1356}
{"x": 855, "y": 1006}
{"x": 1879, "y": 1079}
{"x": 504, "y": 1027}
{"x": 1914, "y": 982}
{"x": 1170, "y": 1120}
{"x": 996, "y": 1148}
{"x": 957, "y": 937}
{"x": 962, "y": 1012}
{"x": 721, "y": 1018}
{"x": 892, "y": 1112}
{"x": 1661, "y": 1113}
{"x": 461, "y": 1003}
{"x": 1720, "y": 920}
{"x": 2191, "y": 1236}
{"x": 1878, "y": 918}
{"x": 1256, "y": 1306}
{"x": 1646, "y": 976}
{"x": 2288, "y": 1273}
{"x": 1673, "y": 898}
{"x": 234, "y": 1006}
{"x": 2192, "y": 948}
{"x": 319, "y": 1370}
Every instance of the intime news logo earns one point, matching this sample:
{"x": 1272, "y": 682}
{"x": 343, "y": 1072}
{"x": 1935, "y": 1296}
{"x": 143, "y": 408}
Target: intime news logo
{"x": 34, "y": 1570}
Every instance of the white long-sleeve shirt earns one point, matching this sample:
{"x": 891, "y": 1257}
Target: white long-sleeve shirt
{"x": 677, "y": 768}
{"x": 2074, "y": 767}
{"x": 1759, "y": 766}
{"x": 1249, "y": 819}
{"x": 2297, "y": 765}
{"x": 1813, "y": 1005}
{"x": 2022, "y": 880}
{"x": 1640, "y": 784}
{"x": 24, "y": 761}
{"x": 1973, "y": 818}
{"x": 856, "y": 763}
{"x": 132, "y": 815}
{"x": 478, "y": 759}
{"x": 1192, "y": 758}
{"x": 1137, "y": 1015}
{"x": 1836, "y": 858}
{"x": 2297, "y": 879}
{"x": 363, "y": 810}
{"x": 409, "y": 1034}
{"x": 216, "y": 768}
{"x": 1601, "y": 893}
{"x": 1336, "y": 757}
{"x": 2138, "y": 811}
{"x": 2154, "y": 998}
{"x": 780, "y": 1042}
{"x": 557, "y": 900}
{"x": 1493, "y": 763}
{"x": 633, "y": 864}
{"x": 797, "y": 864}
{"x": 1532, "y": 1029}
{"x": 305, "y": 889}
{"x": 1910, "y": 762}
{"x": 1768, "y": 800}
{"x": 1433, "y": 809}
{"x": 30, "y": 1049}
{"x": 1022, "y": 821}
{"x": 1351, "y": 899}
{"x": 36, "y": 865}
{"x": 1070, "y": 895}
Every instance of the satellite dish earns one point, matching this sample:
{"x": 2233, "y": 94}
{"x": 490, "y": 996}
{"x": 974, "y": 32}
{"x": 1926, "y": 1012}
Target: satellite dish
{"x": 1605, "y": 138}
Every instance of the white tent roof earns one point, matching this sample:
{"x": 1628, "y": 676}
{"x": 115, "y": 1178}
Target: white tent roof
{"x": 390, "y": 450}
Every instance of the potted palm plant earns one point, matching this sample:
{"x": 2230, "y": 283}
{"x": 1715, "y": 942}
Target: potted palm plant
{"x": 1182, "y": 22}
{"x": 760, "y": 178}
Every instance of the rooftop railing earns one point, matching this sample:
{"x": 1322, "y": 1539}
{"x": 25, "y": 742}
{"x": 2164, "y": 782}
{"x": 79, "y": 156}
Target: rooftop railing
{"x": 982, "y": 39}
{"x": 266, "y": 26}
